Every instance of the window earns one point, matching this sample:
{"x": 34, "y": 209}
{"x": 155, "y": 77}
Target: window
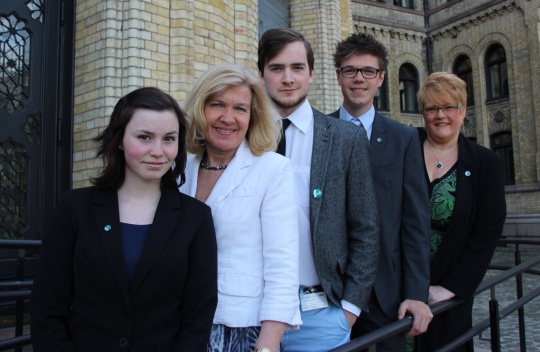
{"x": 408, "y": 86}
{"x": 496, "y": 73}
{"x": 381, "y": 98}
{"x": 404, "y": 3}
{"x": 501, "y": 143}
{"x": 463, "y": 69}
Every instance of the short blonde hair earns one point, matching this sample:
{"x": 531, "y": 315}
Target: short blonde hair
{"x": 264, "y": 122}
{"x": 442, "y": 85}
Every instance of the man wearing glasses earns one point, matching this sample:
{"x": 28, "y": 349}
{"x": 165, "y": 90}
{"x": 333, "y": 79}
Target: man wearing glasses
{"x": 402, "y": 279}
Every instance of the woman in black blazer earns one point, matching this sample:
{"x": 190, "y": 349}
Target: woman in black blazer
{"x": 468, "y": 207}
{"x": 130, "y": 263}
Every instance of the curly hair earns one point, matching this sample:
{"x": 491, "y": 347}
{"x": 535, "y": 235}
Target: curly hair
{"x": 360, "y": 44}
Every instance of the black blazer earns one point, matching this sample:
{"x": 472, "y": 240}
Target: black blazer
{"x": 470, "y": 240}
{"x": 82, "y": 300}
{"x": 403, "y": 269}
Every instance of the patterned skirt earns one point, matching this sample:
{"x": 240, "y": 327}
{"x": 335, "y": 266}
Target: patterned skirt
{"x": 226, "y": 339}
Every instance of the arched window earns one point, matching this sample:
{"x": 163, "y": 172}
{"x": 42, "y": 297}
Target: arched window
{"x": 408, "y": 86}
{"x": 496, "y": 73}
{"x": 381, "y": 98}
{"x": 463, "y": 69}
{"x": 501, "y": 143}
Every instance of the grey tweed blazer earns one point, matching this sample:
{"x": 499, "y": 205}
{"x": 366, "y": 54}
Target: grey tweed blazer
{"x": 344, "y": 217}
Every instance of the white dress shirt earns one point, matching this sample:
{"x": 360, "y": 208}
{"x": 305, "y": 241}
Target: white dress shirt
{"x": 299, "y": 147}
{"x": 299, "y": 136}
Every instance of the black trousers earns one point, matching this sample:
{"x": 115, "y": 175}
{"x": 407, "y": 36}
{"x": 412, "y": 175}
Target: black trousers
{"x": 375, "y": 319}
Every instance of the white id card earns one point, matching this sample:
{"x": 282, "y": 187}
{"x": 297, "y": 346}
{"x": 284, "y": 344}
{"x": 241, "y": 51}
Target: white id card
{"x": 311, "y": 301}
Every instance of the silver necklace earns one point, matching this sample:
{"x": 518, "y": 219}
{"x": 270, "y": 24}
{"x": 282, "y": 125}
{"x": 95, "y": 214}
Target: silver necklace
{"x": 209, "y": 167}
{"x": 440, "y": 164}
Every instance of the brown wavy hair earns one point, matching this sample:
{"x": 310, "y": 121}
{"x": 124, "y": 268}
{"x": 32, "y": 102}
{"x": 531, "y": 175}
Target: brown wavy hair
{"x": 114, "y": 163}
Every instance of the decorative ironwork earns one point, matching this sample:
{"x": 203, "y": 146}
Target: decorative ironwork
{"x": 14, "y": 62}
{"x": 32, "y": 127}
{"x": 13, "y": 189}
{"x": 36, "y": 9}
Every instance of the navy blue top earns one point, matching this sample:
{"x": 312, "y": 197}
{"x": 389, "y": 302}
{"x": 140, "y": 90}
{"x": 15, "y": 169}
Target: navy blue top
{"x": 133, "y": 240}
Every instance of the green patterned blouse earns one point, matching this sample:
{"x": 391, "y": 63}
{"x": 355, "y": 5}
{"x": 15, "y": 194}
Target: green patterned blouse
{"x": 442, "y": 198}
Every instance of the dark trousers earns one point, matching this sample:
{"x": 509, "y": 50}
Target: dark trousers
{"x": 375, "y": 319}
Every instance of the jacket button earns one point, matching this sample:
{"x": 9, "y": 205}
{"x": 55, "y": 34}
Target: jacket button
{"x": 123, "y": 342}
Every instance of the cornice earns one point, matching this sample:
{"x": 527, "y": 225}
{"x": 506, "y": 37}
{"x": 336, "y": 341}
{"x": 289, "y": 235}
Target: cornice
{"x": 448, "y": 28}
{"x": 471, "y": 18}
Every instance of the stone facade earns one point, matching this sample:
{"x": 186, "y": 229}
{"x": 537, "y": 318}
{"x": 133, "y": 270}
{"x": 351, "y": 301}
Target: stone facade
{"x": 122, "y": 45}
{"x": 433, "y": 35}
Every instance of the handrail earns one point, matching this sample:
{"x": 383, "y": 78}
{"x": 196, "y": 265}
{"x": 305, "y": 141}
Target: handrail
{"x": 484, "y": 324}
{"x": 20, "y": 244}
{"x": 358, "y": 344}
{"x": 15, "y": 342}
{"x": 393, "y": 328}
{"x": 486, "y": 284}
{"x": 369, "y": 339}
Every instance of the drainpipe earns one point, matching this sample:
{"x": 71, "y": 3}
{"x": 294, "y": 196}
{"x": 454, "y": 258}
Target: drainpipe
{"x": 428, "y": 41}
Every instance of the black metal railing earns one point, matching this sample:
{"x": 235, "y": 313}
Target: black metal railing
{"x": 19, "y": 292}
{"x": 495, "y": 315}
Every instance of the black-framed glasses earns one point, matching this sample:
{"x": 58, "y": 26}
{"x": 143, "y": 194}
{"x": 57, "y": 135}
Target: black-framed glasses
{"x": 351, "y": 72}
{"x": 432, "y": 111}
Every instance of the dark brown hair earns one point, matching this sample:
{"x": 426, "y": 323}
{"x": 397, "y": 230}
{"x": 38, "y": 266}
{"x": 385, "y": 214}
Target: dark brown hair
{"x": 274, "y": 40}
{"x": 114, "y": 164}
{"x": 360, "y": 44}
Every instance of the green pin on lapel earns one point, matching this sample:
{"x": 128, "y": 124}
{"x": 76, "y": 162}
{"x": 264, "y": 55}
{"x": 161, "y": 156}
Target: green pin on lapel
{"x": 317, "y": 193}
{"x": 107, "y": 227}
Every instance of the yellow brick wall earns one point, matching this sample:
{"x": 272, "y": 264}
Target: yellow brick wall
{"x": 123, "y": 45}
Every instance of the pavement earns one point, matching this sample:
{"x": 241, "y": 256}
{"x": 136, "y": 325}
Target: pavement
{"x": 505, "y": 293}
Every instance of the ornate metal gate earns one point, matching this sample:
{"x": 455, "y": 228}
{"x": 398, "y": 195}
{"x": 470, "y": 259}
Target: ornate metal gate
{"x": 36, "y": 74}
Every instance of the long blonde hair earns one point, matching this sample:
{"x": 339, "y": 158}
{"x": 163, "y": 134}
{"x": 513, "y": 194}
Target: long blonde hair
{"x": 264, "y": 123}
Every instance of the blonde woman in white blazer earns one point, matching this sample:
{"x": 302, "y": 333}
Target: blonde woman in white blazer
{"x": 250, "y": 189}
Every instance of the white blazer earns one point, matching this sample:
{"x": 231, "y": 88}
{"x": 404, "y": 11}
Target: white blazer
{"x": 254, "y": 209}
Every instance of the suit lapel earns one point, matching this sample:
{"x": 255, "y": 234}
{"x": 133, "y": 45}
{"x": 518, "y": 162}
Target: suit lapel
{"x": 322, "y": 141}
{"x": 165, "y": 220}
{"x": 467, "y": 172}
{"x": 108, "y": 222}
{"x": 232, "y": 176}
{"x": 378, "y": 140}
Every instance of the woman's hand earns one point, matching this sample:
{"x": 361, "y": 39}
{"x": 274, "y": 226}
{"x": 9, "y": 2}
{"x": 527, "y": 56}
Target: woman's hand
{"x": 438, "y": 294}
{"x": 271, "y": 334}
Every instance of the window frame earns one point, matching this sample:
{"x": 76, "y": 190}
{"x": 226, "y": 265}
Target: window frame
{"x": 496, "y": 72}
{"x": 505, "y": 150}
{"x": 466, "y": 74}
{"x": 407, "y": 94}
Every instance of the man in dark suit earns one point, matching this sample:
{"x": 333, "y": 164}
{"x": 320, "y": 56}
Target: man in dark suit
{"x": 402, "y": 280}
{"x": 338, "y": 218}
